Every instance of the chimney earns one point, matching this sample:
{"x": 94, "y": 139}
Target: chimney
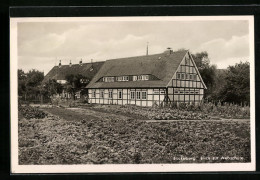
{"x": 80, "y": 62}
{"x": 60, "y": 64}
{"x": 168, "y": 51}
{"x": 70, "y": 63}
{"x": 91, "y": 68}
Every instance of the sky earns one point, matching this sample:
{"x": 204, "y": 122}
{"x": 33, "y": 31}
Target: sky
{"x": 42, "y": 44}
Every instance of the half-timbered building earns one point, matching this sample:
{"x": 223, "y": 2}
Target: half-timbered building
{"x": 59, "y": 73}
{"x": 147, "y": 80}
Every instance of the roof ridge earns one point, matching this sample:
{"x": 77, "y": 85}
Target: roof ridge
{"x": 133, "y": 57}
{"x": 79, "y": 64}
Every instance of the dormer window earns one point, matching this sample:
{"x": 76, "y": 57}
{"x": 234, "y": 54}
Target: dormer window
{"x": 122, "y": 78}
{"x": 108, "y": 79}
{"x": 141, "y": 78}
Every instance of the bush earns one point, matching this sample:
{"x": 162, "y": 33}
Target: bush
{"x": 29, "y": 112}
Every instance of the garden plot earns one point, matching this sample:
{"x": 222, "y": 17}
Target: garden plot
{"x": 184, "y": 112}
{"x": 85, "y": 136}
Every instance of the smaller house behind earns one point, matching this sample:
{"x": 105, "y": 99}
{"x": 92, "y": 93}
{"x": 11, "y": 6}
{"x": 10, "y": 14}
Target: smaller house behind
{"x": 60, "y": 72}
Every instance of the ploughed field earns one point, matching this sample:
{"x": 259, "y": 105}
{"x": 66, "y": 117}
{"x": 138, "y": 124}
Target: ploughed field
{"x": 95, "y": 136}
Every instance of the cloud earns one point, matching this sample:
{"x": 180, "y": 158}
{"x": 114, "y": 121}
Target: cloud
{"x": 224, "y": 51}
{"x": 42, "y": 46}
{"x": 45, "y": 41}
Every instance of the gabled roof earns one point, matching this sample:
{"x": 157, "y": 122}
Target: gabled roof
{"x": 59, "y": 73}
{"x": 162, "y": 66}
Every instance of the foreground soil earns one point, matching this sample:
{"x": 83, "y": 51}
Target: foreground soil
{"x": 85, "y": 136}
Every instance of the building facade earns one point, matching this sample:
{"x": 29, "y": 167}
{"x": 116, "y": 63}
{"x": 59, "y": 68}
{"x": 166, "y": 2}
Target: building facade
{"x": 59, "y": 73}
{"x": 148, "y": 80}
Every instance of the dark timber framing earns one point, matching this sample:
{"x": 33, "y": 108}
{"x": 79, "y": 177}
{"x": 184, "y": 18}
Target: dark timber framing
{"x": 150, "y": 97}
{"x": 184, "y": 85}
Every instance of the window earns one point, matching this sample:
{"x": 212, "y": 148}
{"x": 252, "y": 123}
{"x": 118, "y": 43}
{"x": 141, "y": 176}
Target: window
{"x": 190, "y": 76}
{"x": 108, "y": 79}
{"x": 132, "y": 95}
{"x": 101, "y": 93}
{"x": 176, "y": 92}
{"x": 145, "y": 77}
{"x": 134, "y": 78}
{"x": 125, "y": 78}
{"x": 156, "y": 91}
{"x": 93, "y": 93}
{"x": 187, "y": 76}
{"x": 138, "y": 95}
{"x": 144, "y": 95}
{"x": 110, "y": 94}
{"x": 182, "y": 76}
{"x": 196, "y": 92}
{"x": 195, "y": 77}
{"x": 178, "y": 76}
{"x": 141, "y": 78}
{"x": 119, "y": 94}
{"x": 186, "y": 60}
{"x": 122, "y": 78}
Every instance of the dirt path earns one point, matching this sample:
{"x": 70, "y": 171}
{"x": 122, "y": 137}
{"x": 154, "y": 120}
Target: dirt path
{"x": 78, "y": 114}
{"x": 210, "y": 120}
{"x": 85, "y": 113}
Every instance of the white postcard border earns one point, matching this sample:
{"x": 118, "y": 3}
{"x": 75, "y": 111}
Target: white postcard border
{"x": 203, "y": 167}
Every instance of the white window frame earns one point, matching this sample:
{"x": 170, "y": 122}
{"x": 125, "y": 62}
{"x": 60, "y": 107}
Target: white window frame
{"x": 125, "y": 78}
{"x": 120, "y": 94}
{"x": 191, "y": 77}
{"x": 108, "y": 79}
{"x": 145, "y": 77}
{"x": 94, "y": 93}
{"x": 178, "y": 76}
{"x": 138, "y": 95}
{"x": 139, "y": 77}
{"x": 187, "y": 76}
{"x": 102, "y": 94}
{"x": 144, "y": 95}
{"x": 132, "y": 95}
{"x": 110, "y": 94}
{"x": 182, "y": 76}
{"x": 119, "y": 78}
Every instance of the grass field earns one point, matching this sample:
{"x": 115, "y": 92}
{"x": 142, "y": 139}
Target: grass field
{"x": 87, "y": 136}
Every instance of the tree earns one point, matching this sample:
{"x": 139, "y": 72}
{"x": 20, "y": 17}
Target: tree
{"x": 29, "y": 83}
{"x": 21, "y": 82}
{"x": 237, "y": 86}
{"x": 33, "y": 82}
{"x": 207, "y": 71}
{"x": 75, "y": 83}
{"x": 50, "y": 88}
{"x": 34, "y": 78}
{"x": 201, "y": 59}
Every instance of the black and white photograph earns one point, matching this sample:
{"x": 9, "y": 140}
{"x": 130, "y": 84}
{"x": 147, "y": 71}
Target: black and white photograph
{"x": 132, "y": 94}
